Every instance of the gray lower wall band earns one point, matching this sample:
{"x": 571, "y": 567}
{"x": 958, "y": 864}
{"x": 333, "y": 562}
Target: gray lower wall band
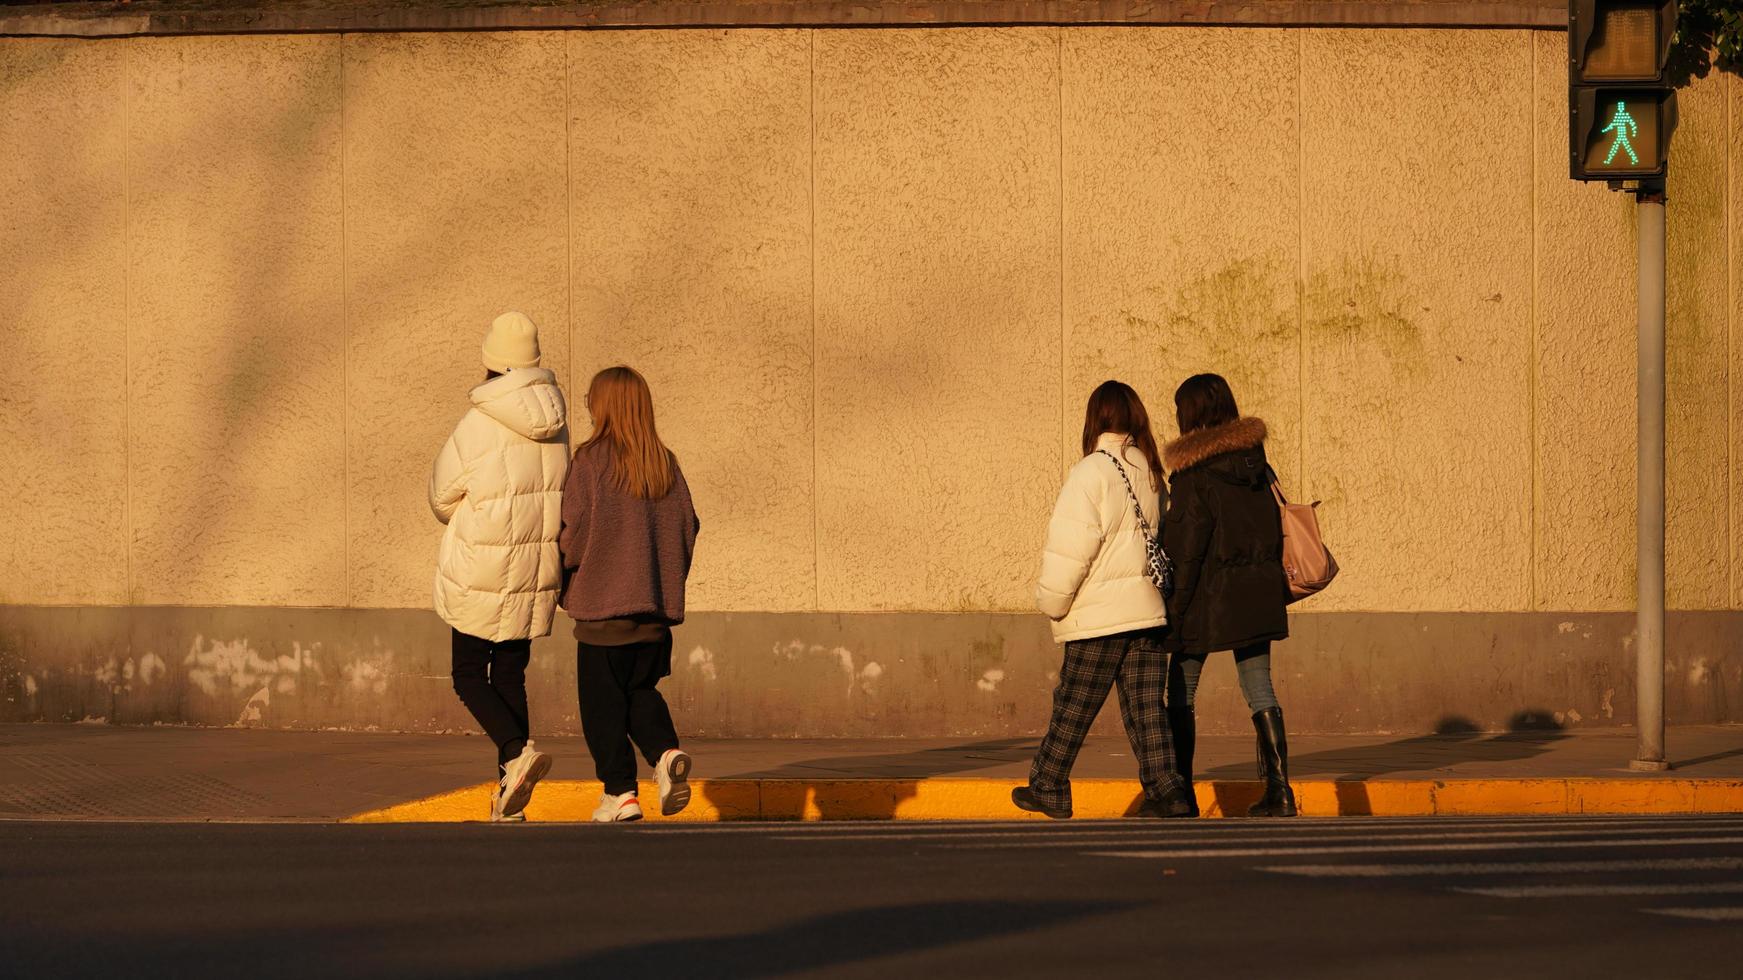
{"x": 845, "y": 674}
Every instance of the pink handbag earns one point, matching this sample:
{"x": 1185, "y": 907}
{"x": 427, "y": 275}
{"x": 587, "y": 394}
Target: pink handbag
{"x": 1306, "y": 559}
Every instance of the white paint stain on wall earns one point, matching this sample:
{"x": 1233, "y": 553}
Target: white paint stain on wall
{"x": 795, "y": 649}
{"x": 29, "y": 686}
{"x": 254, "y": 711}
{"x": 151, "y": 667}
{"x": 367, "y": 676}
{"x": 990, "y": 681}
{"x": 868, "y": 678}
{"x": 221, "y": 667}
{"x": 702, "y": 661}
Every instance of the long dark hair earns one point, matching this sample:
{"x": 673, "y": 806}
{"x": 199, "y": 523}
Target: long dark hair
{"x": 1115, "y": 407}
{"x": 1202, "y": 401}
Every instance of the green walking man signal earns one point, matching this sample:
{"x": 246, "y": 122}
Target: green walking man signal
{"x": 1621, "y": 103}
{"x": 1624, "y": 126}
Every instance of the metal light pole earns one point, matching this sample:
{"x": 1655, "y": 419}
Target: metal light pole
{"x": 1649, "y": 640}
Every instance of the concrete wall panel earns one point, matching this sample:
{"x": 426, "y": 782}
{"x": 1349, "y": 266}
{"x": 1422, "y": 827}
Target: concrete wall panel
{"x": 1734, "y": 248}
{"x": 1584, "y": 383}
{"x": 938, "y": 317}
{"x": 1181, "y": 221}
{"x": 1417, "y": 297}
{"x": 455, "y": 191}
{"x": 1697, "y": 372}
{"x": 235, "y": 310}
{"x": 690, "y": 187}
{"x": 63, "y": 342}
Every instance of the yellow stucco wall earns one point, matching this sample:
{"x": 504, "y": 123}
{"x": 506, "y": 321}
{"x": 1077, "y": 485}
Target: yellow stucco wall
{"x": 63, "y": 323}
{"x": 872, "y": 276}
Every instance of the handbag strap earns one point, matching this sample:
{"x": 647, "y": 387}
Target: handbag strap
{"x": 1276, "y": 486}
{"x": 1137, "y": 508}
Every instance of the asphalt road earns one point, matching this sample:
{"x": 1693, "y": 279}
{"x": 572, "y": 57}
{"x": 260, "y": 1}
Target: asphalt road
{"x": 1347, "y": 898}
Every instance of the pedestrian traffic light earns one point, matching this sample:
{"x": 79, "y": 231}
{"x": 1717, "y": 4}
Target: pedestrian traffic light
{"x": 1621, "y": 107}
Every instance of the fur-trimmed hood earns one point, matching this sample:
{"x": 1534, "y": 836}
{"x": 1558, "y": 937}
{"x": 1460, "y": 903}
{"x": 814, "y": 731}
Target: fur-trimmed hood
{"x": 1231, "y": 437}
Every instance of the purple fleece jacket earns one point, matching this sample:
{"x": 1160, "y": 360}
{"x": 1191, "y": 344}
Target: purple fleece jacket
{"x": 627, "y": 558}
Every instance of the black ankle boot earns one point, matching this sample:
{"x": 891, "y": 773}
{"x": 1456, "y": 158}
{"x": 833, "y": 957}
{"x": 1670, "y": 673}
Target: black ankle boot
{"x": 1183, "y": 729}
{"x": 1279, "y": 799}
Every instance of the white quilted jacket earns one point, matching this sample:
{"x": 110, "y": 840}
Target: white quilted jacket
{"x": 498, "y": 485}
{"x": 1094, "y": 571}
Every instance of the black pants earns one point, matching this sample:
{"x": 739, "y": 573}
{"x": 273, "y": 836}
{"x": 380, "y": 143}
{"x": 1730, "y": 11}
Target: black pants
{"x": 619, "y": 702}
{"x": 491, "y": 679}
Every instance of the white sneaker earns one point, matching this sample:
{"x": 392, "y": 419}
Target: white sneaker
{"x": 522, "y": 773}
{"x": 496, "y": 814}
{"x": 673, "y": 775}
{"x": 618, "y": 809}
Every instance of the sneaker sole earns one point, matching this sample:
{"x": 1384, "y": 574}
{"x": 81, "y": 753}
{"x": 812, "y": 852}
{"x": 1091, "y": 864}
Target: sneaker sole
{"x": 678, "y": 795}
{"x": 522, "y": 794}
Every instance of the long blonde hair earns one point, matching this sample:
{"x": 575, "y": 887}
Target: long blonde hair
{"x": 623, "y": 418}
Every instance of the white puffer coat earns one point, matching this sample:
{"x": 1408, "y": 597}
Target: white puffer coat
{"x": 1094, "y": 571}
{"x": 498, "y": 485}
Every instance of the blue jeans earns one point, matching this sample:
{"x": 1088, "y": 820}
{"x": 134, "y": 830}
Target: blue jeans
{"x": 1253, "y": 664}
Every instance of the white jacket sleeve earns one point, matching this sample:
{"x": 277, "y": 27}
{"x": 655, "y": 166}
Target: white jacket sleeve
{"x": 447, "y": 481}
{"x": 1073, "y": 540}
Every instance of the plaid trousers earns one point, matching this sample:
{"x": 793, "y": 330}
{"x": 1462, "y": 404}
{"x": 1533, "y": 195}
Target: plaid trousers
{"x": 1134, "y": 663}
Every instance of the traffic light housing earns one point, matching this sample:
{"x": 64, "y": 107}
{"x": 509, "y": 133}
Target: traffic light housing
{"x": 1621, "y": 106}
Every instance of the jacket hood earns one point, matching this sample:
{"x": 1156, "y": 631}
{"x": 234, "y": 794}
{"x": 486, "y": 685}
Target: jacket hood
{"x": 1198, "y": 447}
{"x": 526, "y": 400}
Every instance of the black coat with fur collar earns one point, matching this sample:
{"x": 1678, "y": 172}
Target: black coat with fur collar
{"x": 1226, "y": 538}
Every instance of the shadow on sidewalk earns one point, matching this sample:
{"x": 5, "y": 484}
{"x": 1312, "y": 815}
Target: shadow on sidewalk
{"x": 1455, "y": 740}
{"x": 828, "y": 941}
{"x": 899, "y": 774}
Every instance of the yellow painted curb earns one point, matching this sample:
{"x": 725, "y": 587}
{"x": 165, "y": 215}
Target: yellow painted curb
{"x": 990, "y": 799}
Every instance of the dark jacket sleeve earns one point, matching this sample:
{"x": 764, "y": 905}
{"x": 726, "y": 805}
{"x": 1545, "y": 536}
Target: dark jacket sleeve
{"x": 1186, "y": 533}
{"x": 577, "y": 498}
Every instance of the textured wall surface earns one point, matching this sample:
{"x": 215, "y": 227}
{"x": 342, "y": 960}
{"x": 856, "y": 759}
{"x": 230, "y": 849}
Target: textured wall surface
{"x": 1697, "y": 375}
{"x": 236, "y": 436}
{"x": 1583, "y": 387}
{"x": 1734, "y": 248}
{"x": 872, "y": 275}
{"x": 63, "y": 323}
{"x": 690, "y": 225}
{"x": 455, "y": 196}
{"x": 1182, "y": 222}
{"x": 938, "y": 350}
{"x": 1416, "y": 233}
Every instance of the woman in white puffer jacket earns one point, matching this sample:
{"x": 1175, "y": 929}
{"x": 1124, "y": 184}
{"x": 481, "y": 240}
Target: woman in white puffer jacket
{"x": 498, "y": 485}
{"x": 1095, "y": 585}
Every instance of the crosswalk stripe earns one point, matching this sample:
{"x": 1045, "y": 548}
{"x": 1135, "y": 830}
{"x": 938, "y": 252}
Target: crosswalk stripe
{"x": 1251, "y": 852}
{"x": 1596, "y": 891}
{"x": 1711, "y": 915}
{"x": 1506, "y": 868}
{"x": 1169, "y": 835}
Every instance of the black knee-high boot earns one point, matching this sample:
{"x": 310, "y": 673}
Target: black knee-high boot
{"x": 1183, "y": 728}
{"x": 1279, "y": 799}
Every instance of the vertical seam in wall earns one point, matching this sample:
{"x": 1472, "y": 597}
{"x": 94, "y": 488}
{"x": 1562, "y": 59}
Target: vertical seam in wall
{"x": 1532, "y": 355}
{"x": 345, "y": 324}
{"x": 811, "y": 202}
{"x": 1059, "y": 85}
{"x": 568, "y": 215}
{"x": 127, "y": 310}
{"x": 1301, "y": 262}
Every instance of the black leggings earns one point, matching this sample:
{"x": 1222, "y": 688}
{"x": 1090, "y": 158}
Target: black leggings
{"x": 620, "y": 702}
{"x": 491, "y": 679}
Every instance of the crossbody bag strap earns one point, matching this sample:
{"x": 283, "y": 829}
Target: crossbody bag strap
{"x": 1137, "y": 507}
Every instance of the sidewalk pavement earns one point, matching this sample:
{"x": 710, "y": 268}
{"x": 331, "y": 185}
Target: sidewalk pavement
{"x": 196, "y": 774}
